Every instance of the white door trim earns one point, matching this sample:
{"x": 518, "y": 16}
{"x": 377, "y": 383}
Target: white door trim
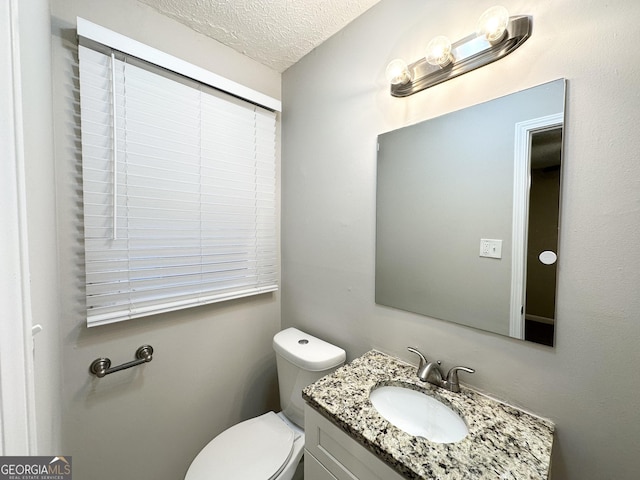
{"x": 521, "y": 186}
{"x": 17, "y": 390}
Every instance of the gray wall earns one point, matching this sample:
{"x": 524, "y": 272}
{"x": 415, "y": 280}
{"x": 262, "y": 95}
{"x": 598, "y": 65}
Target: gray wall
{"x": 336, "y": 102}
{"x": 213, "y": 366}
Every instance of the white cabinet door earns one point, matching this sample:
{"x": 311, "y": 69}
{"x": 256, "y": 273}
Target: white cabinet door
{"x": 339, "y": 454}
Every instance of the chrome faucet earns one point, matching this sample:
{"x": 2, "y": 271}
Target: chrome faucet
{"x": 430, "y": 372}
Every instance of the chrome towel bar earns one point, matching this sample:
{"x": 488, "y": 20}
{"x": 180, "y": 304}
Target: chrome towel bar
{"x": 102, "y": 366}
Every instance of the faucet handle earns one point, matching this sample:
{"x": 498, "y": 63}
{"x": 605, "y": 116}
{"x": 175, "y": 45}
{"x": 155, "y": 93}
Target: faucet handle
{"x": 452, "y": 377}
{"x": 423, "y": 360}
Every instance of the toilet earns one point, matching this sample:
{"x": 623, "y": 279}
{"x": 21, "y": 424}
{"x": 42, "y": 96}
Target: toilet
{"x": 270, "y": 446}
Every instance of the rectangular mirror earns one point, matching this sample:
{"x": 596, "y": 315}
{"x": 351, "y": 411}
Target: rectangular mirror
{"x": 468, "y": 213}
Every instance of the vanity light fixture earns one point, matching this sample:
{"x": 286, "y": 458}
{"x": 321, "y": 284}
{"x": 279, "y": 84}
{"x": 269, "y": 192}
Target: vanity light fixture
{"x": 497, "y": 35}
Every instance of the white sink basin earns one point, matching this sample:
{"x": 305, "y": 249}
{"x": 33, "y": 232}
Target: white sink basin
{"x": 418, "y": 414}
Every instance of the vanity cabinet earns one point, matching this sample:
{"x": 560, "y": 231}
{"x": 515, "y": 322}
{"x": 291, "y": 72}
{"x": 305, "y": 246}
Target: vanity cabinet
{"x": 502, "y": 441}
{"x": 330, "y": 454}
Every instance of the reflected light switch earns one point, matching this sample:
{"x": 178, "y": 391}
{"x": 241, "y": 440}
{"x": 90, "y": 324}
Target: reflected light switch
{"x": 490, "y": 248}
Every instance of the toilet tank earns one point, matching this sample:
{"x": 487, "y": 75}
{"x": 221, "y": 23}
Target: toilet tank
{"x": 301, "y": 359}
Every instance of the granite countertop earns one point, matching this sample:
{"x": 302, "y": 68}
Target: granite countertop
{"x": 504, "y": 443}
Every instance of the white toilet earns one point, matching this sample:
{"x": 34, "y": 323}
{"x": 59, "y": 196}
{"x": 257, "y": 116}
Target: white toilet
{"x": 269, "y": 447}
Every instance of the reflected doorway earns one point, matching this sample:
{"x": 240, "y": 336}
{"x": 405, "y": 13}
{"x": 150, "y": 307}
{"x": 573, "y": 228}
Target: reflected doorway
{"x": 542, "y": 236}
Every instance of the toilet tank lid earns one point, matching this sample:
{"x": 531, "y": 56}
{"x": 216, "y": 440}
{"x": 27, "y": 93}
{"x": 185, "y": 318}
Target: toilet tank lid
{"x": 307, "y": 351}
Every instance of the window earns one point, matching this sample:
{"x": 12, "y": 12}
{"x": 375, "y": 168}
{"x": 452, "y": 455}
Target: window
{"x": 178, "y": 188}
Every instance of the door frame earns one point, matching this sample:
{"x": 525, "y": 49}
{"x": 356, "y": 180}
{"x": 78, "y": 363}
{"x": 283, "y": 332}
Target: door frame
{"x": 17, "y": 386}
{"x": 521, "y": 187}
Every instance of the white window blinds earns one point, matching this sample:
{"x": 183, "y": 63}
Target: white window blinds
{"x": 179, "y": 191}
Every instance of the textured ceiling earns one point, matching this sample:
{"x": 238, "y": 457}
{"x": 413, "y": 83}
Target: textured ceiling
{"x": 276, "y": 33}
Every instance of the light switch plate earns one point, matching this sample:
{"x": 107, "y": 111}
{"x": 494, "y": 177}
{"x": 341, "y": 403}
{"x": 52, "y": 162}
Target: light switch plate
{"x": 490, "y": 248}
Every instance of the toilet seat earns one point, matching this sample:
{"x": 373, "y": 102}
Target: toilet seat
{"x": 256, "y": 449}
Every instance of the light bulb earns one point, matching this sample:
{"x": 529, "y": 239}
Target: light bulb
{"x": 493, "y": 24}
{"x": 439, "y": 52}
{"x": 397, "y": 72}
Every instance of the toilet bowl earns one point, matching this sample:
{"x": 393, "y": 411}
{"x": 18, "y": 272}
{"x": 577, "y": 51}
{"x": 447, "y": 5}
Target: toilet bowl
{"x": 270, "y": 446}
